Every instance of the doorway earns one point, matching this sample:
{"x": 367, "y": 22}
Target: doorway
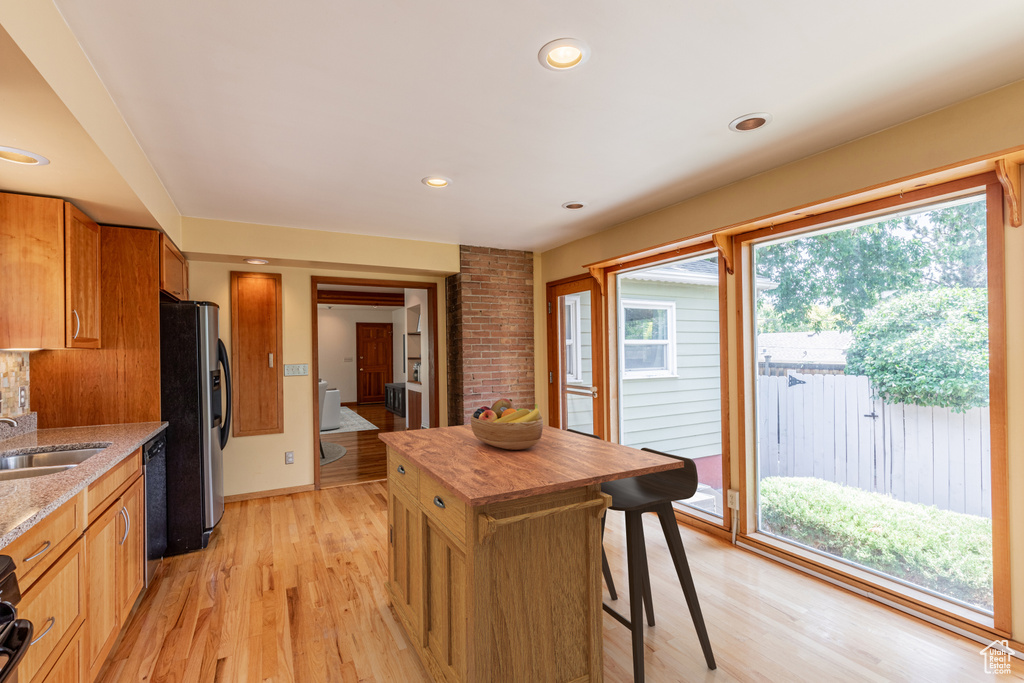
{"x": 363, "y": 375}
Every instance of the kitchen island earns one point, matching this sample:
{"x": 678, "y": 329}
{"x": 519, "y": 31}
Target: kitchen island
{"x": 494, "y": 564}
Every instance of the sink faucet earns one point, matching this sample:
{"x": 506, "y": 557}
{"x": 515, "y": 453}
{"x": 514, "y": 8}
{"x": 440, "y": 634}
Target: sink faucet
{"x": 9, "y": 420}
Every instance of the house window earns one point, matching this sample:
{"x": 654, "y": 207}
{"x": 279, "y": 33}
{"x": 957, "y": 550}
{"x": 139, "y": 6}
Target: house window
{"x": 573, "y": 341}
{"x": 648, "y": 332}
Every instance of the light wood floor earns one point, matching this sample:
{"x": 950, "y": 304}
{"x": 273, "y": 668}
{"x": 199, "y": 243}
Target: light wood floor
{"x": 292, "y": 589}
{"x": 366, "y": 459}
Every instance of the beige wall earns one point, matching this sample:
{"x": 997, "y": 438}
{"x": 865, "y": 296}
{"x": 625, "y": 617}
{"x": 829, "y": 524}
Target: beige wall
{"x": 256, "y": 463}
{"x": 978, "y": 127}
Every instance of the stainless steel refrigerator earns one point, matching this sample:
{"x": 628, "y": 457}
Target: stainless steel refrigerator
{"x": 193, "y": 388}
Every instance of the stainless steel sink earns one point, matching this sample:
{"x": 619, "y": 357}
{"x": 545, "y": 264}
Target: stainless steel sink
{"x": 39, "y": 464}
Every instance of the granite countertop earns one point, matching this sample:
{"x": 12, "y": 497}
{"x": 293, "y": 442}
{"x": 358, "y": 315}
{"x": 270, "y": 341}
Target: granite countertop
{"x": 479, "y": 474}
{"x": 23, "y": 502}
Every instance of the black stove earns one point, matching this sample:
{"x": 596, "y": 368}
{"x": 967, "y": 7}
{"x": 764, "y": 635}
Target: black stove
{"x": 15, "y": 633}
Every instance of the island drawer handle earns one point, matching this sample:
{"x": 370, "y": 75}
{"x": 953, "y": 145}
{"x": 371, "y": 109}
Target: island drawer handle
{"x": 488, "y": 525}
{"x": 46, "y": 546}
{"x": 401, "y": 469}
{"x": 438, "y": 502}
{"x": 51, "y": 621}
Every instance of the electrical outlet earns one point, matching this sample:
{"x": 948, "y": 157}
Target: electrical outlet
{"x": 734, "y": 499}
{"x": 289, "y": 457}
{"x": 23, "y": 397}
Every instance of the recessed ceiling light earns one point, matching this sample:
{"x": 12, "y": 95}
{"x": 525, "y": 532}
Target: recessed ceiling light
{"x": 573, "y": 205}
{"x": 436, "y": 181}
{"x": 21, "y": 156}
{"x": 750, "y": 122}
{"x": 257, "y": 261}
{"x": 564, "y": 53}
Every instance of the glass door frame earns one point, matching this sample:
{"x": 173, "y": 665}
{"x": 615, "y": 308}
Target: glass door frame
{"x": 556, "y": 351}
{"x": 745, "y": 364}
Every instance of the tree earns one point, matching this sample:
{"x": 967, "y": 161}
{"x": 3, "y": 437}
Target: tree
{"x": 926, "y": 348}
{"x": 828, "y": 280}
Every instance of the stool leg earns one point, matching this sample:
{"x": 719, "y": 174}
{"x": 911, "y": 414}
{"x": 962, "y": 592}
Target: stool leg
{"x": 634, "y": 550}
{"x": 604, "y": 564}
{"x": 675, "y": 546}
{"x": 646, "y": 575}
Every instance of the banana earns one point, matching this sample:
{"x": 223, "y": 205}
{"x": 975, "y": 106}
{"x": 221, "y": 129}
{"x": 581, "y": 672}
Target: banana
{"x": 530, "y": 415}
{"x": 510, "y": 415}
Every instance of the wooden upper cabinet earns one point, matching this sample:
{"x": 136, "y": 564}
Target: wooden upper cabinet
{"x": 173, "y": 270}
{"x": 81, "y": 280}
{"x": 256, "y": 364}
{"x": 49, "y": 257}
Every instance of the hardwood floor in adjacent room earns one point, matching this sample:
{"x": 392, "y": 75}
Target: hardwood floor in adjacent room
{"x": 292, "y": 589}
{"x": 366, "y": 459}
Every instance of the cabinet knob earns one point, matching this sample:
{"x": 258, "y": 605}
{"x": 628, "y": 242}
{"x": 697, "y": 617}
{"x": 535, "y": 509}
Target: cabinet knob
{"x": 438, "y": 502}
{"x": 401, "y": 469}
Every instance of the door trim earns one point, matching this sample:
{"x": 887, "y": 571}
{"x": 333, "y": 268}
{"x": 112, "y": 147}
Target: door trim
{"x": 433, "y": 395}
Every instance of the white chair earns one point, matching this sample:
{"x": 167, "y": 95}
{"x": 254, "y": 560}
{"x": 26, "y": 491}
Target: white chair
{"x": 330, "y": 416}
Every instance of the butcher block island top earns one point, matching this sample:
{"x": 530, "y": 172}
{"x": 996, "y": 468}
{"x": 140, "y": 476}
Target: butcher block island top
{"x": 494, "y": 557}
{"x": 479, "y": 474}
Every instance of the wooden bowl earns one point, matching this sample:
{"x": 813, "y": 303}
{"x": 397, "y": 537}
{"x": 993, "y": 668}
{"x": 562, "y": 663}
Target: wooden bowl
{"x": 514, "y": 436}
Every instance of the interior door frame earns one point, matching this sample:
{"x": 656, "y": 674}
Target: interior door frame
{"x": 573, "y": 285}
{"x": 391, "y": 357}
{"x": 433, "y": 395}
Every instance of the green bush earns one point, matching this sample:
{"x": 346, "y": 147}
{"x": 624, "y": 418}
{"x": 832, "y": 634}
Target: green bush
{"x": 947, "y": 552}
{"x": 928, "y": 348}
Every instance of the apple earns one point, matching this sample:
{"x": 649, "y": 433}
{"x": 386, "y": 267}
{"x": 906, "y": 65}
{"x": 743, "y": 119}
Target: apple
{"x": 488, "y": 416}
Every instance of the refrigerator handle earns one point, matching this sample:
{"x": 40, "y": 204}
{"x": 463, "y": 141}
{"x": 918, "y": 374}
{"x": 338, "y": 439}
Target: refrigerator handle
{"x": 222, "y": 356}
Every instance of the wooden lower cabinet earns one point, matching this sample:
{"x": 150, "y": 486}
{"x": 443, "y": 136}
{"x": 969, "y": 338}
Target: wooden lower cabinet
{"x": 508, "y": 591}
{"x": 115, "y": 573}
{"x": 68, "y": 668}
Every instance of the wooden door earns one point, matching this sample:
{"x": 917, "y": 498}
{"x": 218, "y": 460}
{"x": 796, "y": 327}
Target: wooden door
{"x": 375, "y": 350}
{"x": 414, "y": 411}
{"x": 102, "y": 557}
{"x": 256, "y": 364}
{"x": 131, "y": 564}
{"x": 81, "y": 280}
{"x": 405, "y": 571}
{"x": 445, "y": 619}
{"x": 576, "y": 357}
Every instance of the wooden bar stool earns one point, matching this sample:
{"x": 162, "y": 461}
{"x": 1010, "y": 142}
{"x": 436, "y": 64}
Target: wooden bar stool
{"x": 655, "y": 493}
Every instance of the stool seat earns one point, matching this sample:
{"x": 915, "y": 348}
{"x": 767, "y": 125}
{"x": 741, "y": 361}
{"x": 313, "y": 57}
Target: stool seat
{"x": 643, "y": 492}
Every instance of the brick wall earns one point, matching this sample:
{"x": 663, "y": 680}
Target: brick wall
{"x": 490, "y": 330}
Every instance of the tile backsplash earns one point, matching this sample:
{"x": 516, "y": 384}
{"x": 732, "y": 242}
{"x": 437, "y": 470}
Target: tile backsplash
{"x": 13, "y": 376}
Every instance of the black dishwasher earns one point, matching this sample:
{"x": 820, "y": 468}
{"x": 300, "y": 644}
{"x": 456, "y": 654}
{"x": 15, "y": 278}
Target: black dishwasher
{"x": 154, "y": 460}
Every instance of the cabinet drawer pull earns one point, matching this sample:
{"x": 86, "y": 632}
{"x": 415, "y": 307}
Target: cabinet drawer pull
{"x": 46, "y": 546}
{"x": 50, "y": 622}
{"x": 127, "y": 525}
{"x": 78, "y": 323}
{"x": 401, "y": 469}
{"x": 438, "y": 502}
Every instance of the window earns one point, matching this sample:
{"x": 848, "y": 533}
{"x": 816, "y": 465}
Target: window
{"x": 573, "y": 345}
{"x": 648, "y": 331}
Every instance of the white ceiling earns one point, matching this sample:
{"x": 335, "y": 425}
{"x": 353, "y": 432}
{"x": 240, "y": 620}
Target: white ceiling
{"x": 325, "y": 114}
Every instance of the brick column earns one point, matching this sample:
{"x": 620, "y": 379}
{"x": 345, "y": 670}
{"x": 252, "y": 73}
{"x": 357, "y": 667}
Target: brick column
{"x": 490, "y": 331}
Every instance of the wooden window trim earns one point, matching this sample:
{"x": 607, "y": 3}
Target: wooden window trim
{"x": 988, "y": 183}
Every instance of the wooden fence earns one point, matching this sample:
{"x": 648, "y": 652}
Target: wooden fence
{"x": 830, "y": 427}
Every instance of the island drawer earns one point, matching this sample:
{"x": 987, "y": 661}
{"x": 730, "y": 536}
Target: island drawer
{"x": 36, "y": 549}
{"x": 404, "y": 473}
{"x": 442, "y": 506}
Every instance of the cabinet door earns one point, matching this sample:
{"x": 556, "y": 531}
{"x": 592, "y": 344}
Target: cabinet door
{"x": 256, "y": 364}
{"x": 131, "y": 565}
{"x": 172, "y": 269}
{"x": 68, "y": 668}
{"x": 446, "y": 603}
{"x": 405, "y": 561}
{"x": 31, "y": 260}
{"x": 102, "y": 556}
{"x": 81, "y": 280}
